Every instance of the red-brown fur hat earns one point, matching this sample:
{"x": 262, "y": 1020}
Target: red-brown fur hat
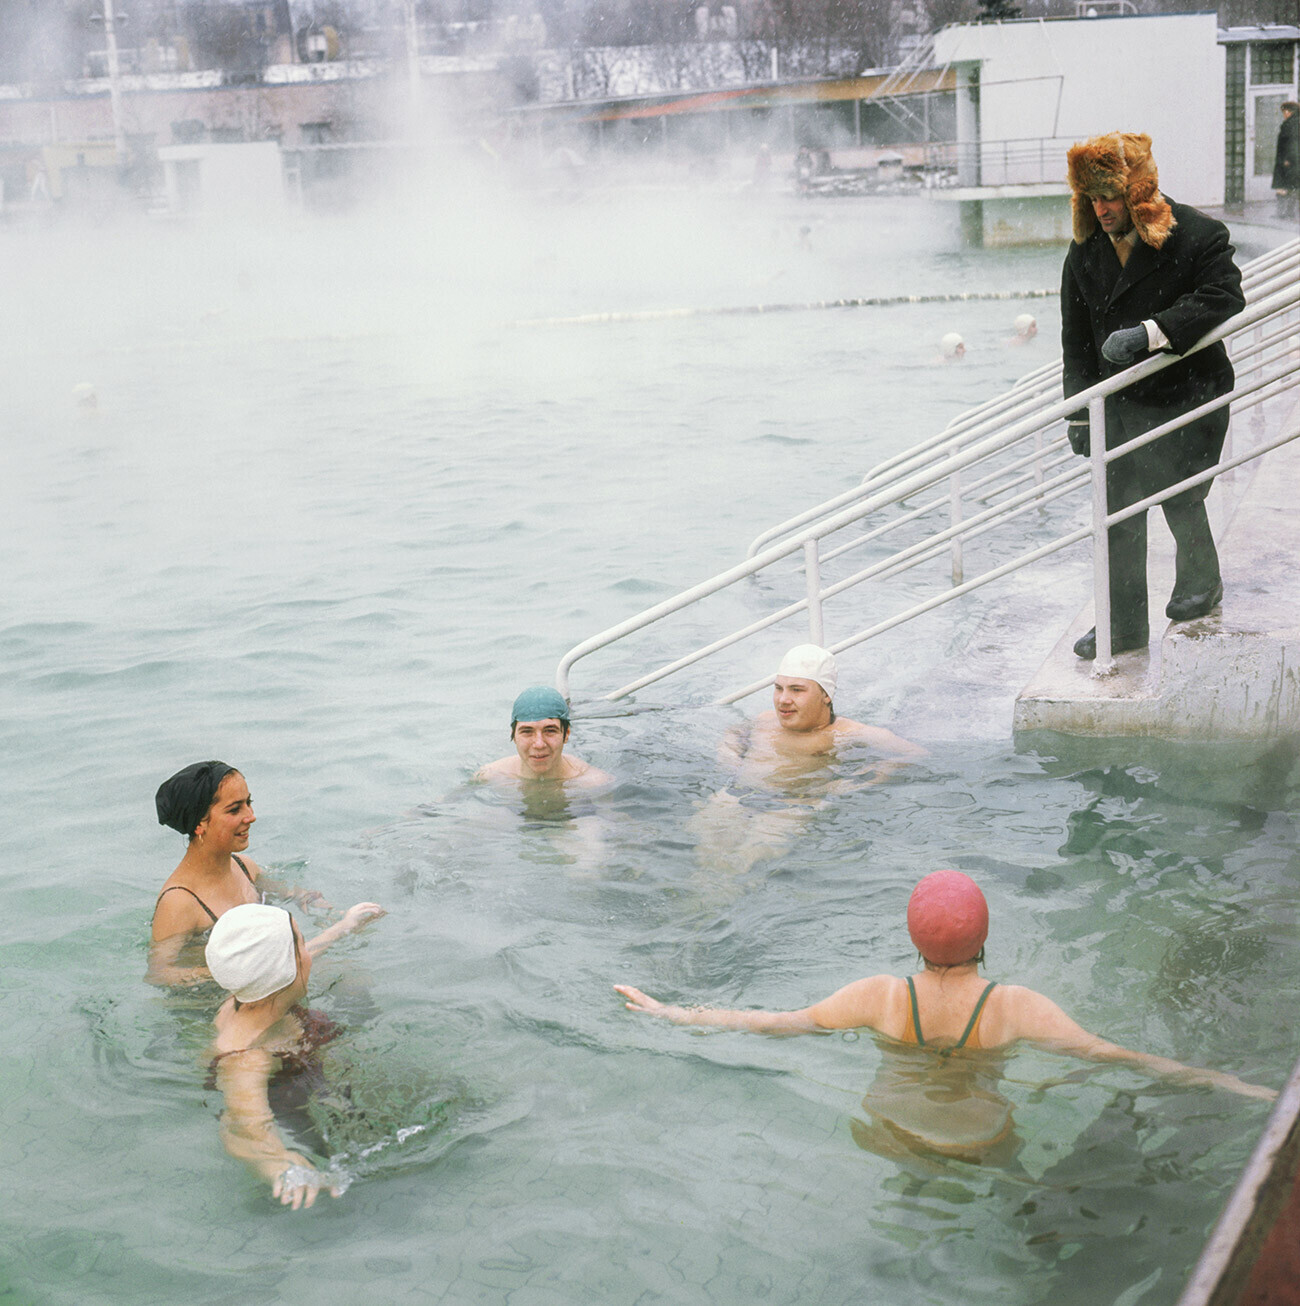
{"x": 1118, "y": 165}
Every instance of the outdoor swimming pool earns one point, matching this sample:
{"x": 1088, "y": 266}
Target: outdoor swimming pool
{"x": 329, "y": 515}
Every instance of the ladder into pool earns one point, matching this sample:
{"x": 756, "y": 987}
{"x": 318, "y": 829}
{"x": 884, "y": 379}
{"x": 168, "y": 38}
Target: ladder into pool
{"x": 994, "y": 465}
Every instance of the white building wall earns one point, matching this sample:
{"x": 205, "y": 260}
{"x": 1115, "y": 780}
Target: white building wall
{"x": 1068, "y": 79}
{"x": 226, "y": 179}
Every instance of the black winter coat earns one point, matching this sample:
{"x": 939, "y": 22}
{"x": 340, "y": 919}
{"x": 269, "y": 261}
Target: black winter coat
{"x": 1189, "y": 286}
{"x": 1286, "y": 162}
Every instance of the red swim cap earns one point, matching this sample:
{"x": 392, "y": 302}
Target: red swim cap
{"x": 948, "y": 918}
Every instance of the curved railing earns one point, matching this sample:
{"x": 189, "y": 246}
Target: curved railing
{"x": 995, "y": 464}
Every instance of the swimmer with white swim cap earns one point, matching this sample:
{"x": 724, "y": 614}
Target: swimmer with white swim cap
{"x": 539, "y": 726}
{"x": 803, "y": 719}
{"x": 258, "y": 955}
{"x": 1026, "y": 326}
{"x": 952, "y": 347}
{"x": 947, "y": 1006}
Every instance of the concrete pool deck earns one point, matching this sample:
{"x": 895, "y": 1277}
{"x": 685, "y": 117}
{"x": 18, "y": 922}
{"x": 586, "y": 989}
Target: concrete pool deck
{"x": 1234, "y": 674}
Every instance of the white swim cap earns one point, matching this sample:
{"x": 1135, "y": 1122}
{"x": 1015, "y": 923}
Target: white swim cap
{"x": 250, "y": 951}
{"x": 951, "y": 343}
{"x": 1024, "y": 322}
{"x": 811, "y": 662}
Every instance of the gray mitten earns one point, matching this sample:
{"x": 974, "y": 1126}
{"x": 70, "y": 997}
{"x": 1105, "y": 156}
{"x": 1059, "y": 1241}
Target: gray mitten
{"x": 1124, "y": 346}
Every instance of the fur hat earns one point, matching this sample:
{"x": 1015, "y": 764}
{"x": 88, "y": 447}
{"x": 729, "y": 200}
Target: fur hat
{"x": 1118, "y": 166}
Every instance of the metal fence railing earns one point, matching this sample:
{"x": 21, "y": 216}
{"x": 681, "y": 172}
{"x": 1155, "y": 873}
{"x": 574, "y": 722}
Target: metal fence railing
{"x": 1005, "y": 461}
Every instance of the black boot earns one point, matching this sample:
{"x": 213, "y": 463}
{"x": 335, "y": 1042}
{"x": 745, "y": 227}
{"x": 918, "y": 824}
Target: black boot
{"x": 1085, "y": 647}
{"x": 1187, "y": 607}
{"x": 1198, "y": 587}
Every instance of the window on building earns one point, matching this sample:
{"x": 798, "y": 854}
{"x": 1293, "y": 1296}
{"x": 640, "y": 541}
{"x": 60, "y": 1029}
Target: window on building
{"x": 316, "y": 133}
{"x": 1272, "y": 63}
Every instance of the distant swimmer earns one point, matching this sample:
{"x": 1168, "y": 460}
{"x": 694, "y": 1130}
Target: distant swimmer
{"x": 209, "y": 803}
{"x": 264, "y": 1036}
{"x": 539, "y": 726}
{"x": 952, "y": 348}
{"x": 803, "y": 721}
{"x": 1026, "y": 326}
{"x": 947, "y": 1009}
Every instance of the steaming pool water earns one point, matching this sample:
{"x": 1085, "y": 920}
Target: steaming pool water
{"x": 330, "y": 513}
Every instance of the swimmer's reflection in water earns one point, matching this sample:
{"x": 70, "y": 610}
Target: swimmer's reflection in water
{"x": 780, "y": 765}
{"x": 954, "y": 1016}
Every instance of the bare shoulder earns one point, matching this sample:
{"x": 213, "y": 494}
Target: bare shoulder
{"x": 879, "y": 738}
{"x": 865, "y": 1003}
{"x": 586, "y": 776}
{"x": 504, "y": 768}
{"x": 1014, "y": 1012}
{"x": 177, "y": 913}
{"x": 254, "y": 870}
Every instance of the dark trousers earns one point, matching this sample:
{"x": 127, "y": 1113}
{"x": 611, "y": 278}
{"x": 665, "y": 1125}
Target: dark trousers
{"x": 1196, "y": 568}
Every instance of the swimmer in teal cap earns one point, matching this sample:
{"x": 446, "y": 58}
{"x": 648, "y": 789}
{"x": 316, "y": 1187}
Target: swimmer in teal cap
{"x": 539, "y": 726}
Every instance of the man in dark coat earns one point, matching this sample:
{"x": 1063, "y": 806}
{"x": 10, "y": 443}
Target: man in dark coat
{"x": 1286, "y": 162}
{"x": 1144, "y": 275}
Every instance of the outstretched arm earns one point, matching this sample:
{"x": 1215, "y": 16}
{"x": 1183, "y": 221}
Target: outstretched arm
{"x": 857, "y": 1005}
{"x": 353, "y": 919}
{"x": 283, "y": 890}
{"x": 1039, "y": 1020}
{"x": 249, "y": 1134}
{"x": 757, "y": 1022}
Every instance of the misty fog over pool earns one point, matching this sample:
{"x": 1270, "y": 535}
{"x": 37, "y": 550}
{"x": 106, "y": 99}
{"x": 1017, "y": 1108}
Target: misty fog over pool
{"x": 343, "y": 490}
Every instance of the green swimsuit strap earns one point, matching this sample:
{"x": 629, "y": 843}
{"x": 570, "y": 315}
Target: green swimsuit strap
{"x": 970, "y": 1024}
{"x": 916, "y": 1014}
{"x": 975, "y": 1015}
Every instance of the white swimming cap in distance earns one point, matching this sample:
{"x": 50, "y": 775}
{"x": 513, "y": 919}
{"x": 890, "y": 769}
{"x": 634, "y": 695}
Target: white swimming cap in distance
{"x": 951, "y": 343}
{"x": 811, "y": 662}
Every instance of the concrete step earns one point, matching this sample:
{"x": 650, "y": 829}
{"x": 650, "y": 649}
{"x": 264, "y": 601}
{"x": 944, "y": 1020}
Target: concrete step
{"x": 1234, "y": 674}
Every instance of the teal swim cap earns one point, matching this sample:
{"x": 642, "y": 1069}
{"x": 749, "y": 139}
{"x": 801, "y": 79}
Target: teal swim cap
{"x": 539, "y": 704}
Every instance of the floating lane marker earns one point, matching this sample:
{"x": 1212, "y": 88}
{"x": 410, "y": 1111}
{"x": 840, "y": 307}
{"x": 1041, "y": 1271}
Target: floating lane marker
{"x": 750, "y": 310}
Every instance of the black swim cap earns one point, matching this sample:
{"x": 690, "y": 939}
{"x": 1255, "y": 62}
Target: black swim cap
{"x": 183, "y": 801}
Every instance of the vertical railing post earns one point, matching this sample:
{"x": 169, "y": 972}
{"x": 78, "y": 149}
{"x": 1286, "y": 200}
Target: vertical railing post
{"x": 954, "y": 500}
{"x": 1105, "y": 663}
{"x": 812, "y": 568}
{"x": 1038, "y": 459}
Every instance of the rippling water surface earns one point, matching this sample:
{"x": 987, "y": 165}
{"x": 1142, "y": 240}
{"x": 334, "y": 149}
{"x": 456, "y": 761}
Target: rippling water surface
{"x": 332, "y": 511}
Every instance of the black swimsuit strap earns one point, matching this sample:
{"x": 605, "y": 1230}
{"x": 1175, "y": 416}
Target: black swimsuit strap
{"x": 193, "y": 895}
{"x": 242, "y": 867}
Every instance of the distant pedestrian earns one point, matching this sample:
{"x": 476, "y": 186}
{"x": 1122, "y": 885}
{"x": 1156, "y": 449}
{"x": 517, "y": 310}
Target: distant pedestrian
{"x": 1286, "y": 162}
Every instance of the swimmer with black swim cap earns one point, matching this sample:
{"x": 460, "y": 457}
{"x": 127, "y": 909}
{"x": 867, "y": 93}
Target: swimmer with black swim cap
{"x": 539, "y": 726}
{"x": 209, "y": 803}
{"x": 947, "y": 1006}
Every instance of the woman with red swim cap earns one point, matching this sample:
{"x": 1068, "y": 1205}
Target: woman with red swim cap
{"x": 946, "y": 1006}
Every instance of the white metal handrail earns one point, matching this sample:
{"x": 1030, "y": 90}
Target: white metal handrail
{"x": 1007, "y": 481}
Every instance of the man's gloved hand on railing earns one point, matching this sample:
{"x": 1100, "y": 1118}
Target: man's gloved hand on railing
{"x": 1078, "y": 432}
{"x": 1124, "y": 347}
